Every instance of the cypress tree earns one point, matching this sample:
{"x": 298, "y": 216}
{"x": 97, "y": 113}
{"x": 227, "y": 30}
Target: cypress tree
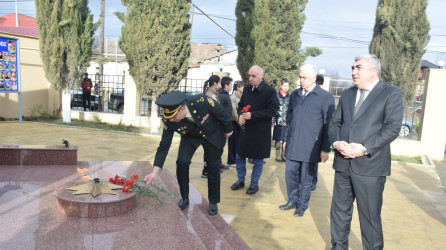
{"x": 156, "y": 40}
{"x": 400, "y": 36}
{"x": 244, "y": 24}
{"x": 65, "y": 40}
{"x": 273, "y": 34}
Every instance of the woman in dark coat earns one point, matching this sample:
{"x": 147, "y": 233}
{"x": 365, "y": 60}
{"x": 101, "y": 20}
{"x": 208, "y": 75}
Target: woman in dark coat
{"x": 279, "y": 121}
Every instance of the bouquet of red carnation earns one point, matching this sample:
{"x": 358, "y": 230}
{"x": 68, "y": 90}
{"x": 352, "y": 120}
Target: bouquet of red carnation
{"x": 131, "y": 185}
{"x": 244, "y": 109}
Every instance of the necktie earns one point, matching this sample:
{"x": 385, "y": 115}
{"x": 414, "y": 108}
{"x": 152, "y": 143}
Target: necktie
{"x": 254, "y": 88}
{"x": 304, "y": 93}
{"x": 361, "y": 100}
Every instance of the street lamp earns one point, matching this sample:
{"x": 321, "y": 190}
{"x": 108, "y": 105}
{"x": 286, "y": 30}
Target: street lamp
{"x": 441, "y": 64}
{"x": 322, "y": 71}
{"x": 221, "y": 67}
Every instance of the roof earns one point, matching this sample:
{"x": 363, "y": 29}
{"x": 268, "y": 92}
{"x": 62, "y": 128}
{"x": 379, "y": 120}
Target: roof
{"x": 23, "y": 21}
{"x": 427, "y": 64}
{"x": 27, "y": 25}
{"x": 26, "y": 31}
{"x": 204, "y": 51}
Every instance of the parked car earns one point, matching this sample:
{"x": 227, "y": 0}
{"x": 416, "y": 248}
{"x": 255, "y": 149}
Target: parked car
{"x": 76, "y": 100}
{"x": 116, "y": 102}
{"x": 407, "y": 127}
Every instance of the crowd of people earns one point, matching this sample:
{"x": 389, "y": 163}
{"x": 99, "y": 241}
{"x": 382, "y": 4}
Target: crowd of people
{"x": 306, "y": 128}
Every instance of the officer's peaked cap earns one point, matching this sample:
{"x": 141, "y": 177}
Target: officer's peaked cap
{"x": 171, "y": 103}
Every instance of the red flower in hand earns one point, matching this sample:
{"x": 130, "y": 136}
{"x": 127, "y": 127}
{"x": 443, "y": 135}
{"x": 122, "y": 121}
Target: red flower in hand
{"x": 245, "y": 109}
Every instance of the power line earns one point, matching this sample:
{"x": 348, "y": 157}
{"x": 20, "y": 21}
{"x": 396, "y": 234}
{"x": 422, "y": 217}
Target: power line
{"x": 213, "y": 21}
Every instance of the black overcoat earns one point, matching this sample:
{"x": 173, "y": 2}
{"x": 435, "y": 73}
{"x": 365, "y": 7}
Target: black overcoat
{"x": 255, "y": 140}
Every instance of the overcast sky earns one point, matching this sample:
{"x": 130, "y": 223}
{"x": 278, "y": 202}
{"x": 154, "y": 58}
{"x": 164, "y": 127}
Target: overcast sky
{"x": 342, "y": 28}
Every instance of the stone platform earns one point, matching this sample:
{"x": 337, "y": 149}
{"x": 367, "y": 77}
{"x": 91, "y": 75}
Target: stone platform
{"x": 37, "y": 155}
{"x": 31, "y": 220}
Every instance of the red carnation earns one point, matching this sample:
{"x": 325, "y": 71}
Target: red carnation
{"x": 246, "y": 108}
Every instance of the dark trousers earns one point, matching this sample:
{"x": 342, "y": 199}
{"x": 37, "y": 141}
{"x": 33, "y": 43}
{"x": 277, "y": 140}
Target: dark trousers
{"x": 212, "y": 156}
{"x": 298, "y": 177}
{"x": 316, "y": 169}
{"x": 368, "y": 192}
{"x": 232, "y": 143}
{"x": 86, "y": 97}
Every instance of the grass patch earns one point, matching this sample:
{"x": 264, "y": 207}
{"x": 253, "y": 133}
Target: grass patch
{"x": 98, "y": 124}
{"x": 416, "y": 159}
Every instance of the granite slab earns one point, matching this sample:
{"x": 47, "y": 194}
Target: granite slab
{"x": 31, "y": 220}
{"x": 37, "y": 155}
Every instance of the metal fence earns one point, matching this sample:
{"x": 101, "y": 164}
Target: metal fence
{"x": 190, "y": 86}
{"x": 107, "y": 94}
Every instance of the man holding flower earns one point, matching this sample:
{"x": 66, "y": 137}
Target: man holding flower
{"x": 255, "y": 110}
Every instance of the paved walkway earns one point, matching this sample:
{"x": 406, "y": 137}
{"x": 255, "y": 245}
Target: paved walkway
{"x": 414, "y": 210}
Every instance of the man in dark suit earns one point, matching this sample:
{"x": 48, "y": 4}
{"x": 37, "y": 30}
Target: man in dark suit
{"x": 367, "y": 119}
{"x": 200, "y": 121}
{"x": 320, "y": 82}
{"x": 256, "y": 108}
{"x": 309, "y": 113}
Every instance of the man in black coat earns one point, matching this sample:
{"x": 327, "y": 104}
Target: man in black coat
{"x": 200, "y": 121}
{"x": 256, "y": 108}
{"x": 367, "y": 119}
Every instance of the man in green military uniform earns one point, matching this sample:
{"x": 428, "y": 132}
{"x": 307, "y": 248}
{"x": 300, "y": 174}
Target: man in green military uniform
{"x": 200, "y": 121}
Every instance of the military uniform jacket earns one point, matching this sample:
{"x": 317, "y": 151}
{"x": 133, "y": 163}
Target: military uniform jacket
{"x": 209, "y": 117}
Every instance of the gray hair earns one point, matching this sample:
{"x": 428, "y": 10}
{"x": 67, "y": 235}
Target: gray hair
{"x": 258, "y": 68}
{"x": 372, "y": 60}
{"x": 309, "y": 68}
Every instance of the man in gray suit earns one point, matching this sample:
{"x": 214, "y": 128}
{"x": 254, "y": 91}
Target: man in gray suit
{"x": 309, "y": 111}
{"x": 367, "y": 119}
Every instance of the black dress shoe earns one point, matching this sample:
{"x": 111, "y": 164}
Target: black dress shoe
{"x": 223, "y": 166}
{"x": 183, "y": 203}
{"x": 204, "y": 174}
{"x": 289, "y": 205}
{"x": 252, "y": 189}
{"x": 299, "y": 212}
{"x": 238, "y": 185}
{"x": 213, "y": 209}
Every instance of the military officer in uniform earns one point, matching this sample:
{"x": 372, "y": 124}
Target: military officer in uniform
{"x": 200, "y": 121}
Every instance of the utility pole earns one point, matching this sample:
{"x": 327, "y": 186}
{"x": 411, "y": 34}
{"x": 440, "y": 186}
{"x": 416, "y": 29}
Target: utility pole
{"x": 101, "y": 54}
{"x": 16, "y": 15}
{"x": 101, "y": 36}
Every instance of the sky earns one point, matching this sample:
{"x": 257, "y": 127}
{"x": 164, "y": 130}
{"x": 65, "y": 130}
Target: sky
{"x": 343, "y": 29}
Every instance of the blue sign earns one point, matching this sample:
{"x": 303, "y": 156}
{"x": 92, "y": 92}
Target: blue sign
{"x": 9, "y": 65}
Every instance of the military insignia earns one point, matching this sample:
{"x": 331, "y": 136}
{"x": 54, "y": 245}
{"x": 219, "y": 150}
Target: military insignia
{"x": 204, "y": 119}
{"x": 201, "y": 99}
{"x": 211, "y": 101}
{"x": 165, "y": 126}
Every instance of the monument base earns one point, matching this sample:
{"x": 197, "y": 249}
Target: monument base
{"x": 85, "y": 205}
